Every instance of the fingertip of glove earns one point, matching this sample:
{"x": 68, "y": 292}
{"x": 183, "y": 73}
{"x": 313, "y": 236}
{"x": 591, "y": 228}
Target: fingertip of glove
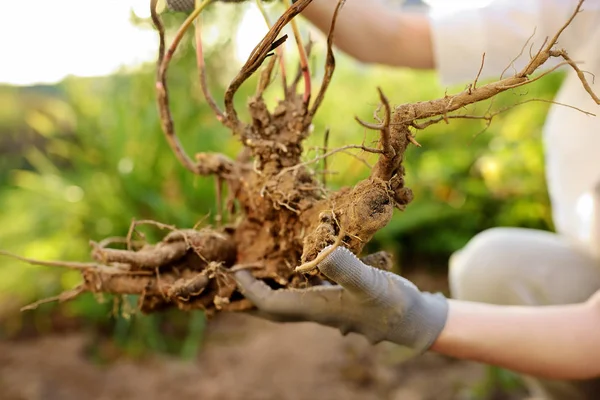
{"x": 253, "y": 289}
{"x": 244, "y": 279}
{"x": 341, "y": 265}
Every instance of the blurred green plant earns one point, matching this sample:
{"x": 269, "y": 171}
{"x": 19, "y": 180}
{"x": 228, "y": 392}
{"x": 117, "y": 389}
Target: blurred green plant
{"x": 82, "y": 158}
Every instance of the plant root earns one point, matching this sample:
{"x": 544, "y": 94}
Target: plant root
{"x": 281, "y": 215}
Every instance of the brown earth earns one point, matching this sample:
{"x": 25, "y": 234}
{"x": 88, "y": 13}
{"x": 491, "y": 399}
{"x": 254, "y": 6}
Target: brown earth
{"x": 245, "y": 358}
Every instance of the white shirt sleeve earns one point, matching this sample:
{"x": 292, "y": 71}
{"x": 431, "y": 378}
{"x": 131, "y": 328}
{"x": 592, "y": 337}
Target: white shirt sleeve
{"x": 500, "y": 30}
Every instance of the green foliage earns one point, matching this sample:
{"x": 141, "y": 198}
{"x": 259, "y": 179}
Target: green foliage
{"x": 82, "y": 158}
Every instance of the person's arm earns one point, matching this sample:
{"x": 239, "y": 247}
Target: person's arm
{"x": 373, "y": 32}
{"x": 454, "y": 43}
{"x": 556, "y": 342}
{"x": 369, "y": 31}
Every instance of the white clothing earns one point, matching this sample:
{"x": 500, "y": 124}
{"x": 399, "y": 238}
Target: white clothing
{"x": 571, "y": 138}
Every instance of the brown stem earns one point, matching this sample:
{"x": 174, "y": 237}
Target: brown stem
{"x": 329, "y": 63}
{"x": 202, "y": 75}
{"x": 294, "y": 85}
{"x": 61, "y": 264}
{"x": 490, "y": 115}
{"x": 411, "y": 112}
{"x": 388, "y": 151}
{"x": 279, "y": 50}
{"x": 265, "y": 77}
{"x": 61, "y": 298}
{"x": 256, "y": 58}
{"x": 579, "y": 72}
{"x": 164, "y": 59}
{"x": 146, "y": 258}
{"x": 303, "y": 59}
{"x": 325, "y": 145}
{"x": 474, "y": 86}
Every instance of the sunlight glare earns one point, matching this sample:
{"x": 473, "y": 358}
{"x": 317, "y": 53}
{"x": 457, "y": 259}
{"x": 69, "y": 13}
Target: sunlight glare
{"x": 250, "y": 32}
{"x": 45, "y": 41}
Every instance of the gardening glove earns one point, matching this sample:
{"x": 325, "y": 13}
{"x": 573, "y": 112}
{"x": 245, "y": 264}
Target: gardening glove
{"x": 187, "y": 5}
{"x": 378, "y": 304}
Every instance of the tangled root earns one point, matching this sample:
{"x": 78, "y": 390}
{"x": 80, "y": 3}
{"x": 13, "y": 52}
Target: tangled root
{"x": 284, "y": 216}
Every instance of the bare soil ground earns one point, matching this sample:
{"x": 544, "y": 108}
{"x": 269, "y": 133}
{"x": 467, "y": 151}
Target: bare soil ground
{"x": 245, "y": 358}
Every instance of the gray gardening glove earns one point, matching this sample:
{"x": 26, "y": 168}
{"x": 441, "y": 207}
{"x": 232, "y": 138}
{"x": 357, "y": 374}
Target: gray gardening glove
{"x": 188, "y": 5}
{"x": 378, "y": 304}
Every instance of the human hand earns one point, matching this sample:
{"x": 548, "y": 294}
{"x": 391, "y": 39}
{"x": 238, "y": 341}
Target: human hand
{"x": 189, "y": 5}
{"x": 378, "y": 304}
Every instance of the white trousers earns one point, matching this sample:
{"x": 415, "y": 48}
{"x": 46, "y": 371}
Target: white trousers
{"x": 516, "y": 266}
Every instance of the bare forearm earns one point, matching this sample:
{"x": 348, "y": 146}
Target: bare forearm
{"x": 372, "y": 32}
{"x": 560, "y": 342}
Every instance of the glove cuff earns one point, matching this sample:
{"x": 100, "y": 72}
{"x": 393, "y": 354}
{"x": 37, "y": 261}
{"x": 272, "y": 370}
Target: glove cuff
{"x": 424, "y": 321}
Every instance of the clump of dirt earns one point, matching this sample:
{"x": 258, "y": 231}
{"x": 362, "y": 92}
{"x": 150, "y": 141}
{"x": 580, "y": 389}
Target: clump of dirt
{"x": 283, "y": 214}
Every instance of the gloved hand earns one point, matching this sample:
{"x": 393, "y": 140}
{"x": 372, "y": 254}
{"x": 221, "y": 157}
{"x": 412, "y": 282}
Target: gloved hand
{"x": 188, "y": 5}
{"x": 378, "y": 304}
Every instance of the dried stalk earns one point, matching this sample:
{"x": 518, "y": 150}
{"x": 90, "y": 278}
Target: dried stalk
{"x": 329, "y": 63}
